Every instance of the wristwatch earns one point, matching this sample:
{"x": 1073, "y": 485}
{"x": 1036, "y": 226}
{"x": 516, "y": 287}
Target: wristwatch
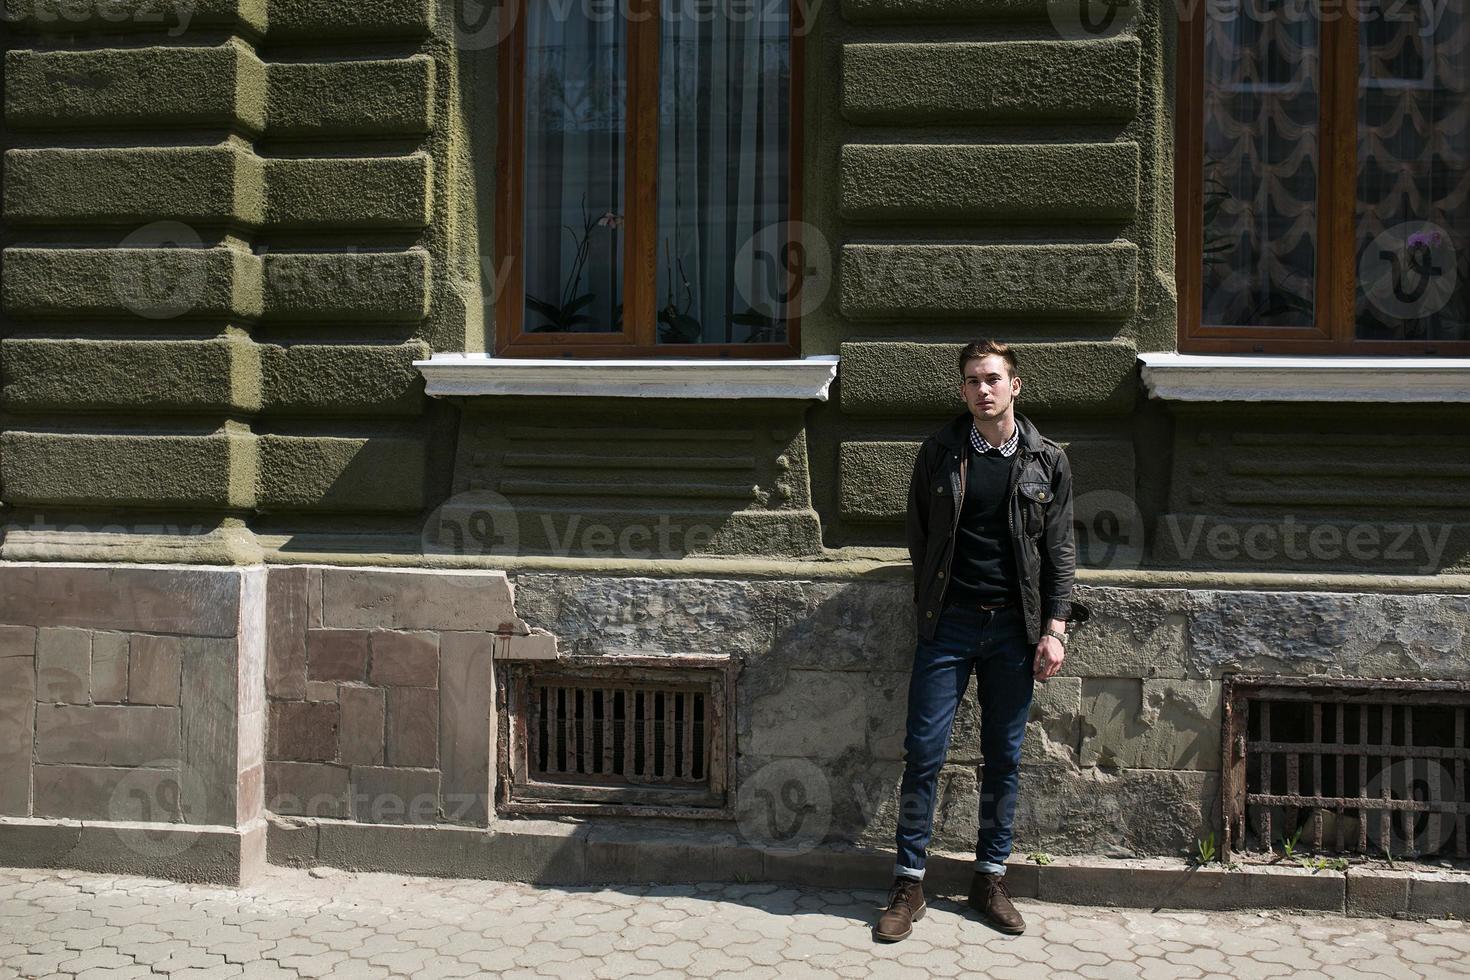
{"x": 1061, "y": 637}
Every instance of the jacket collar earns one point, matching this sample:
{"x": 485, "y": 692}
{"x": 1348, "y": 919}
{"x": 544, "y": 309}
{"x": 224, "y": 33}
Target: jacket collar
{"x": 957, "y": 433}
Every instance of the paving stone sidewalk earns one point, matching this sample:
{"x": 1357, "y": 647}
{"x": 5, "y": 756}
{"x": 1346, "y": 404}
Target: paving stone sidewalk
{"x": 291, "y": 924}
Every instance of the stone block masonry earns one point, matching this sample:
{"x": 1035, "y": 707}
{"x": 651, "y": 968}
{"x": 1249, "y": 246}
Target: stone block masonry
{"x": 356, "y": 704}
{"x": 132, "y": 696}
{"x": 381, "y": 692}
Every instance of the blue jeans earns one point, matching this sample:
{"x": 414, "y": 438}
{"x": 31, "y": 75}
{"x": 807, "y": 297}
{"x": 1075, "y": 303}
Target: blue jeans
{"x": 995, "y": 646}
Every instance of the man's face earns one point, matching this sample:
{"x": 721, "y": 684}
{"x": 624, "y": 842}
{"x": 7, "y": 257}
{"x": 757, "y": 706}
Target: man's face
{"x": 988, "y": 388}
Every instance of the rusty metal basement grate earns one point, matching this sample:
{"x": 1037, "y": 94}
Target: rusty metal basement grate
{"x": 1352, "y": 766}
{"x": 646, "y": 734}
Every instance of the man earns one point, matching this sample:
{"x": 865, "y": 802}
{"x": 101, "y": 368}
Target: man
{"x": 990, "y": 537}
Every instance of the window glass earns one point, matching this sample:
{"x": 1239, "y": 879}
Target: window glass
{"x": 1260, "y": 166}
{"x": 575, "y": 131}
{"x": 725, "y": 260}
{"x": 1413, "y": 175}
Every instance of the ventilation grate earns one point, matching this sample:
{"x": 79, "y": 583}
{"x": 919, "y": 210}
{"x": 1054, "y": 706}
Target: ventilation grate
{"x": 1346, "y": 766}
{"x": 616, "y": 734}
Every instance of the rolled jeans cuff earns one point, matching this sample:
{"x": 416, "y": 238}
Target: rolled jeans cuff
{"x": 990, "y": 868}
{"x": 899, "y": 871}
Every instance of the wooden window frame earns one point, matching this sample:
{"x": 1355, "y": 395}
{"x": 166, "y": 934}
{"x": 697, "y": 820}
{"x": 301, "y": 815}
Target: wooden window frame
{"x": 639, "y": 337}
{"x": 1334, "y": 308}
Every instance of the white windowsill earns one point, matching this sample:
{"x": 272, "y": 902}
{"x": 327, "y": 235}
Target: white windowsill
{"x": 1264, "y": 378}
{"x": 483, "y": 374}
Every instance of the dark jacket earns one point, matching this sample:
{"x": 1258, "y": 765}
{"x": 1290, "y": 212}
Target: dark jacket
{"x": 1040, "y": 520}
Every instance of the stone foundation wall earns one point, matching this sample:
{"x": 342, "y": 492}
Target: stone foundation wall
{"x": 382, "y": 693}
{"x": 131, "y": 696}
{"x": 1122, "y": 752}
{"x": 383, "y": 725}
{"x": 160, "y": 700}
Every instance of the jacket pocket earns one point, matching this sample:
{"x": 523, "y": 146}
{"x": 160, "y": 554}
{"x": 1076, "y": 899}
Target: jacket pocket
{"x": 1035, "y": 499}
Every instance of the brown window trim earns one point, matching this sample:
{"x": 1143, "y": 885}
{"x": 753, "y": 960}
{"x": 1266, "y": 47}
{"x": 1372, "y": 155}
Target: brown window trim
{"x": 1336, "y": 280}
{"x": 640, "y": 224}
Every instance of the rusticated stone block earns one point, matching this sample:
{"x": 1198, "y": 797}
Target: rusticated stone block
{"x": 466, "y": 716}
{"x": 330, "y": 473}
{"x": 362, "y": 719}
{"x": 596, "y": 615}
{"x": 307, "y": 789}
{"x": 129, "y": 470}
{"x": 385, "y": 795}
{"x": 1054, "y": 727}
{"x": 154, "y": 666}
{"x": 817, "y": 714}
{"x": 943, "y": 281}
{"x": 285, "y": 637}
{"x": 1064, "y": 810}
{"x": 987, "y": 82}
{"x": 64, "y": 665}
{"x": 336, "y": 379}
{"x": 348, "y": 287}
{"x": 134, "y": 185}
{"x": 379, "y": 98}
{"x": 107, "y": 735}
{"x": 536, "y": 645}
{"x": 837, "y": 625}
{"x": 110, "y": 668}
{"x": 108, "y": 793}
{"x": 196, "y": 601}
{"x": 211, "y": 706}
{"x": 17, "y": 641}
{"x": 321, "y": 690}
{"x": 1354, "y": 635}
{"x": 62, "y": 16}
{"x": 412, "y": 727}
{"x": 303, "y": 731}
{"x": 343, "y": 193}
{"x": 1132, "y": 633}
{"x": 164, "y": 280}
{"x": 1151, "y": 724}
{"x": 404, "y": 659}
{"x": 17, "y": 739}
{"x": 336, "y": 655}
{"x": 154, "y": 86}
{"x": 417, "y": 599}
{"x": 317, "y": 19}
{"x": 952, "y": 183}
{"x": 887, "y": 705}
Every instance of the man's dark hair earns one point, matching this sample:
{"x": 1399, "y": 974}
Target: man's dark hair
{"x": 984, "y": 348}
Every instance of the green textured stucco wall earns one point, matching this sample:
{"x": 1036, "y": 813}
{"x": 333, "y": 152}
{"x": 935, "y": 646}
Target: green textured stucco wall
{"x": 229, "y": 228}
{"x": 227, "y": 235}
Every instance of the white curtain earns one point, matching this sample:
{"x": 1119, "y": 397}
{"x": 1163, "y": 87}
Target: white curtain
{"x": 724, "y": 84}
{"x": 576, "y": 81}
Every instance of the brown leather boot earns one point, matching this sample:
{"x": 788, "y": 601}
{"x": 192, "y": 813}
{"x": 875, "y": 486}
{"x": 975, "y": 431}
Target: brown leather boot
{"x": 989, "y": 897}
{"x": 905, "y": 907}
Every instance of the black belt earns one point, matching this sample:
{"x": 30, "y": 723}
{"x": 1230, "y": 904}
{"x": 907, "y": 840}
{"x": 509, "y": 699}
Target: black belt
{"x": 982, "y": 606}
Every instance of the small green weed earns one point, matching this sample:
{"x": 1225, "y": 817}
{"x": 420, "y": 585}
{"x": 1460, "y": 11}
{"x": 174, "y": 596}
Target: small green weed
{"x": 1039, "y": 857}
{"x": 1205, "y": 849}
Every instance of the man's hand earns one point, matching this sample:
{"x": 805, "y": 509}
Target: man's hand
{"x": 1049, "y": 656}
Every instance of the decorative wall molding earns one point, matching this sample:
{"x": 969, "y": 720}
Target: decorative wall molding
{"x": 1257, "y": 378}
{"x": 468, "y": 375}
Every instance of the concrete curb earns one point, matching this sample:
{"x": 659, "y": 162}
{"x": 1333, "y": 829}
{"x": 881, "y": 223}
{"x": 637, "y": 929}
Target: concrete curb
{"x": 611, "y": 852}
{"x": 179, "y": 852}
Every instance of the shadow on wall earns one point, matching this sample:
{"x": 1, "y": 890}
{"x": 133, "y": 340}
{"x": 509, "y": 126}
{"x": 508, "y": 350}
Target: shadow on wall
{"x": 821, "y": 729}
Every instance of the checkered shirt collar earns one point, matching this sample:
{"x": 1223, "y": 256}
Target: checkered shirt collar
{"x": 978, "y": 443}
